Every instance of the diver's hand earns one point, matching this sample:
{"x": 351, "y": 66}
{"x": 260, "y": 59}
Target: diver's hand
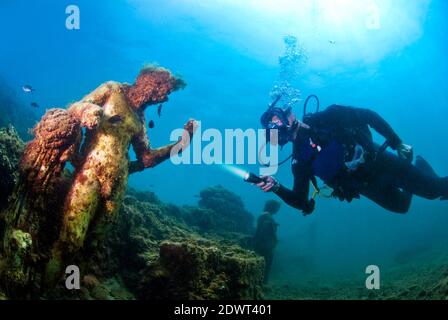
{"x": 405, "y": 152}
{"x": 309, "y": 208}
{"x": 269, "y": 184}
{"x": 189, "y": 129}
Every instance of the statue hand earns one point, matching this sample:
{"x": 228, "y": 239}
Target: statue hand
{"x": 191, "y": 126}
{"x": 189, "y": 129}
{"x": 309, "y": 207}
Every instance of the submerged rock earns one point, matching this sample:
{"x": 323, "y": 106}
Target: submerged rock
{"x": 220, "y": 210}
{"x": 161, "y": 258}
{"x": 202, "y": 269}
{"x": 151, "y": 253}
{"x": 11, "y": 148}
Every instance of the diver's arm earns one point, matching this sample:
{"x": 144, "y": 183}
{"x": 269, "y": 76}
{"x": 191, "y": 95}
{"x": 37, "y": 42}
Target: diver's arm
{"x": 350, "y": 116}
{"x": 149, "y": 158}
{"x": 375, "y": 121}
{"x": 298, "y": 197}
{"x": 380, "y": 125}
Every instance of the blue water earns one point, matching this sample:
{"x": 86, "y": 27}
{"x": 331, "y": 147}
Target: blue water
{"x": 227, "y": 52}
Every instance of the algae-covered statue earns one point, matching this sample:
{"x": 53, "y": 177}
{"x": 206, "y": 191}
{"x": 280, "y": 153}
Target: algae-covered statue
{"x": 51, "y": 214}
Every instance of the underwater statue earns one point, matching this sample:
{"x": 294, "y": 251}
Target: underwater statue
{"x": 265, "y": 238}
{"x": 52, "y": 214}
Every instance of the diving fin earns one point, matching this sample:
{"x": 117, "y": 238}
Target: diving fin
{"x": 424, "y": 166}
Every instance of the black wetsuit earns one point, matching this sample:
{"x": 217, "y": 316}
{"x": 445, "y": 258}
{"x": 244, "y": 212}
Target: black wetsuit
{"x": 384, "y": 178}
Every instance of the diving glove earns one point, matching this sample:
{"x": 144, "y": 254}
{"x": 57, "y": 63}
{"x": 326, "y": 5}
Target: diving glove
{"x": 405, "y": 152}
{"x": 309, "y": 208}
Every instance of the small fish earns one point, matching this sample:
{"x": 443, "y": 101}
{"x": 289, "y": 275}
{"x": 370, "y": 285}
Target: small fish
{"x": 28, "y": 89}
{"x": 115, "y": 119}
{"x": 34, "y": 105}
{"x": 159, "y": 110}
{"x": 332, "y": 41}
{"x": 151, "y": 124}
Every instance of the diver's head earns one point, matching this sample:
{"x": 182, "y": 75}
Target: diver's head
{"x": 152, "y": 86}
{"x": 284, "y": 121}
{"x": 272, "y": 206}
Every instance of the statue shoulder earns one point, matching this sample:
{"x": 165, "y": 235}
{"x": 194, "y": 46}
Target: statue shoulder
{"x": 113, "y": 85}
{"x": 100, "y": 94}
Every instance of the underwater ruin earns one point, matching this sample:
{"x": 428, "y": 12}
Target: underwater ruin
{"x": 155, "y": 250}
{"x": 127, "y": 243}
{"x": 141, "y": 141}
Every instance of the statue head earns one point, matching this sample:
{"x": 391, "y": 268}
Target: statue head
{"x": 152, "y": 86}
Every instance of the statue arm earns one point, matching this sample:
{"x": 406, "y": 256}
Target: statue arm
{"x": 149, "y": 158}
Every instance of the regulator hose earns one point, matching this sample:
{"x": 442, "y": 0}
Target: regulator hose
{"x": 306, "y": 104}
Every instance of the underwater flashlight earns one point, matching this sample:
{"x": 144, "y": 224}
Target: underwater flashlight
{"x": 246, "y": 176}
{"x": 252, "y": 178}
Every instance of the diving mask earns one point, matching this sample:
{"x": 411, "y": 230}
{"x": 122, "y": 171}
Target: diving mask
{"x": 281, "y": 124}
{"x": 282, "y": 132}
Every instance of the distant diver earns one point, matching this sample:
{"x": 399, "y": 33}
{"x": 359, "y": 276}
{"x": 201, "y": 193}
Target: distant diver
{"x": 337, "y": 146}
{"x": 265, "y": 238}
{"x": 34, "y": 105}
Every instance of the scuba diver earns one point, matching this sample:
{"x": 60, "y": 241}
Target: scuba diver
{"x": 336, "y": 145}
{"x": 265, "y": 238}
